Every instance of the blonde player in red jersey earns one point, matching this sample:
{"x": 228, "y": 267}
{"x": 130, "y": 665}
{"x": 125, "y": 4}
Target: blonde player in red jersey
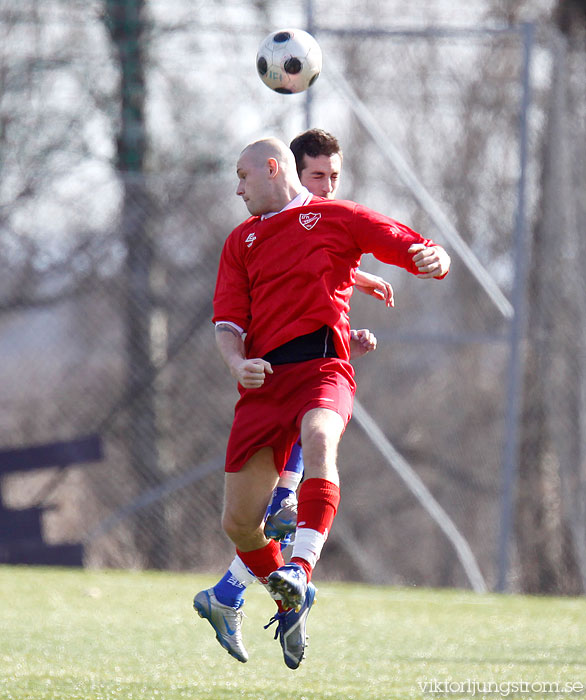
{"x": 285, "y": 279}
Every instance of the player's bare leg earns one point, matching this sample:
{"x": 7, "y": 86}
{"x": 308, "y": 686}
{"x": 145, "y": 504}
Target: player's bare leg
{"x": 281, "y": 520}
{"x": 247, "y": 493}
{"x": 321, "y": 430}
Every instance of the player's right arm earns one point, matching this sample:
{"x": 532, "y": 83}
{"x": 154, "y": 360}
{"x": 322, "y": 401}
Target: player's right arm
{"x": 375, "y": 286}
{"x": 232, "y": 301}
{"x": 249, "y": 373}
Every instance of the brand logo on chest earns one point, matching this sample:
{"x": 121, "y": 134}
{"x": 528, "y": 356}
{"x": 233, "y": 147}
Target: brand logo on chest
{"x": 309, "y": 220}
{"x": 250, "y": 239}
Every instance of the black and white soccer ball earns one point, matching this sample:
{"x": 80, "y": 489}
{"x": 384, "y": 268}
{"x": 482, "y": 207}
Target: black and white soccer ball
{"x": 289, "y": 60}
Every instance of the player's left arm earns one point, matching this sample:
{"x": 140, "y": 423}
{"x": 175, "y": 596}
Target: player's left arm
{"x": 432, "y": 262}
{"x": 375, "y": 286}
{"x": 361, "y": 342}
{"x": 395, "y": 243}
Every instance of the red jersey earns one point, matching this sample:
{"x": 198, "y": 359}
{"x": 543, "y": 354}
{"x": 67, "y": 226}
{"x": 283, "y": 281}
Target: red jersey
{"x": 292, "y": 273}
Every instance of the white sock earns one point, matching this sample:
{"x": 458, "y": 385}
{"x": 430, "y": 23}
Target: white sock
{"x": 240, "y": 571}
{"x": 308, "y": 545}
{"x": 290, "y": 480}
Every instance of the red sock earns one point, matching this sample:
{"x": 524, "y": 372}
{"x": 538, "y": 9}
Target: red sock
{"x": 305, "y": 565}
{"x": 263, "y": 561}
{"x": 318, "y": 504}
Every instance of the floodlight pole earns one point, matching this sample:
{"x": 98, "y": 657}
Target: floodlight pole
{"x": 518, "y": 324}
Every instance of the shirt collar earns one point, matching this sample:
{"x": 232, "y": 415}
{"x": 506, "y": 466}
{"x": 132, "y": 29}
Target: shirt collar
{"x": 303, "y": 198}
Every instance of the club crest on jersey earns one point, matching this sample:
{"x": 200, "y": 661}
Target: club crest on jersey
{"x": 309, "y": 220}
{"x": 250, "y": 239}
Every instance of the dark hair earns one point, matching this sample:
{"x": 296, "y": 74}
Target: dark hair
{"x": 314, "y": 143}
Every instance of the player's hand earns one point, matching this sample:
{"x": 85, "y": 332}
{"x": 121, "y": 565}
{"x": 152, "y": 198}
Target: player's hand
{"x": 375, "y": 286}
{"x": 430, "y": 261}
{"x": 361, "y": 342}
{"x": 251, "y": 373}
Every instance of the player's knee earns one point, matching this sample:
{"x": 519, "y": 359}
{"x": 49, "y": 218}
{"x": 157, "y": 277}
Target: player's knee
{"x": 316, "y": 445}
{"x": 321, "y": 429}
{"x": 229, "y": 526}
{"x": 320, "y": 447}
{"x": 236, "y": 528}
{"x": 321, "y": 444}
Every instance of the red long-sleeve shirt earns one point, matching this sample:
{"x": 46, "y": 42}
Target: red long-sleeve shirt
{"x": 292, "y": 273}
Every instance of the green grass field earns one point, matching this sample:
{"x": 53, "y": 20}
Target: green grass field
{"x": 101, "y": 635}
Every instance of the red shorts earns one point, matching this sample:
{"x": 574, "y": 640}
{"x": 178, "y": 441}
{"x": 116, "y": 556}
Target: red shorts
{"x": 271, "y": 415}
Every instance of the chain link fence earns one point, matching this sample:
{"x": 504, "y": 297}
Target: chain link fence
{"x": 105, "y": 300}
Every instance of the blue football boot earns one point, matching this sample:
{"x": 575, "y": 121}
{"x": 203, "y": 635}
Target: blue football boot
{"x": 289, "y": 583}
{"x": 291, "y": 629}
{"x": 282, "y": 518}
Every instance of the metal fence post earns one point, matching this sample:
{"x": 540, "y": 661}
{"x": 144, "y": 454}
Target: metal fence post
{"x": 517, "y": 325}
{"x": 310, "y": 27}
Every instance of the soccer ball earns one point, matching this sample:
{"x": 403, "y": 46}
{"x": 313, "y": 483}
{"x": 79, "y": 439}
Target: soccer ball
{"x": 288, "y": 61}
